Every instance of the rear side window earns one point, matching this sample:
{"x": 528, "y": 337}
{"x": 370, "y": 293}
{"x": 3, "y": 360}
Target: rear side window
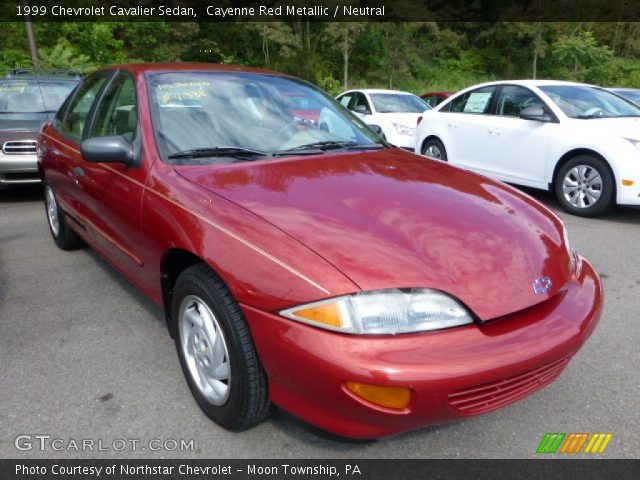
{"x": 476, "y": 101}
{"x": 76, "y": 117}
{"x": 117, "y": 113}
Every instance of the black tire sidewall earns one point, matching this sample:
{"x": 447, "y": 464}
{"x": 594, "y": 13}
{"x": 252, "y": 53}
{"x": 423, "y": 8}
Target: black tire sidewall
{"x": 607, "y": 199}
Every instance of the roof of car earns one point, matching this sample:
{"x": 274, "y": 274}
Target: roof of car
{"x": 533, "y": 83}
{"x": 381, "y": 90}
{"x": 184, "y": 67}
{"x": 623, "y": 89}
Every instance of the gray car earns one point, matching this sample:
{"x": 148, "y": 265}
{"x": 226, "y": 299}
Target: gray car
{"x": 28, "y": 97}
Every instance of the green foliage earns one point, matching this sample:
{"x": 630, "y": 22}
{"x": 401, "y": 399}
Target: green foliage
{"x": 410, "y": 56}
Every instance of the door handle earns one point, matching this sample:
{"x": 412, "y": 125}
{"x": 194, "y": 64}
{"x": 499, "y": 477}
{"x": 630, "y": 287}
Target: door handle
{"x": 78, "y": 172}
{"x": 494, "y": 132}
{"x": 453, "y": 125}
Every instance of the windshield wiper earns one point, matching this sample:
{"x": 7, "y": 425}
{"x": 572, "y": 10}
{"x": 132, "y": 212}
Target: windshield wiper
{"x": 330, "y": 145}
{"x": 218, "y": 152}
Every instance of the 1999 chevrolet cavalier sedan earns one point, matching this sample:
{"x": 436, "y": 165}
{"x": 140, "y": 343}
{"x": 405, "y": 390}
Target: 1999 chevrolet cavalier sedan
{"x": 361, "y": 287}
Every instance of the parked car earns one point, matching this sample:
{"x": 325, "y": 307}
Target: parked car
{"x": 392, "y": 114}
{"x": 579, "y": 141}
{"x": 631, "y": 94}
{"x": 28, "y": 97}
{"x": 435, "y": 98}
{"x": 358, "y": 286}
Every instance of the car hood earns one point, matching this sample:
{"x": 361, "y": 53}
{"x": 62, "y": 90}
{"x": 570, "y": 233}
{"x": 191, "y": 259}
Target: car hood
{"x": 407, "y": 119}
{"x": 391, "y": 219}
{"x": 627, "y": 127}
{"x": 23, "y": 121}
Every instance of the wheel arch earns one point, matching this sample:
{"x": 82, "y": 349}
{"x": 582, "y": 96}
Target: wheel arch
{"x": 574, "y": 153}
{"x": 173, "y": 262}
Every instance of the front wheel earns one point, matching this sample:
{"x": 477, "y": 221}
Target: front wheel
{"x": 434, "y": 148}
{"x": 585, "y": 187}
{"x": 216, "y": 351}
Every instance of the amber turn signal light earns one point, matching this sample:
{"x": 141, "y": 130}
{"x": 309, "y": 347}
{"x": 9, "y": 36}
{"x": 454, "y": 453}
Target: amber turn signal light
{"x": 397, "y": 398}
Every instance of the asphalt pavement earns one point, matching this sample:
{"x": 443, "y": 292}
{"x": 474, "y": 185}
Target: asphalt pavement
{"x": 84, "y": 356}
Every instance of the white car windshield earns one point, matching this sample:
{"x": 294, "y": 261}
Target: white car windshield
{"x": 398, "y": 103}
{"x": 18, "y": 96}
{"x": 586, "y": 102}
{"x": 222, "y": 117}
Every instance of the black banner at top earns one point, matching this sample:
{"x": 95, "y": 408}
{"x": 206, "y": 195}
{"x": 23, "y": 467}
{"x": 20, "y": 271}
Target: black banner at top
{"x": 321, "y": 10}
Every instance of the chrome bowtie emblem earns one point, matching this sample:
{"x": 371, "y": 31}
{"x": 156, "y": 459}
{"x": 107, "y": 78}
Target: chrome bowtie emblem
{"x": 542, "y": 285}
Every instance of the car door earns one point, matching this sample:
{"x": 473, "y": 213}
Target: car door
{"x": 62, "y": 147}
{"x": 113, "y": 191}
{"x": 516, "y": 148}
{"x": 464, "y": 126}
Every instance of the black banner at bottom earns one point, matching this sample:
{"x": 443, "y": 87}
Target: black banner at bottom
{"x": 318, "y": 469}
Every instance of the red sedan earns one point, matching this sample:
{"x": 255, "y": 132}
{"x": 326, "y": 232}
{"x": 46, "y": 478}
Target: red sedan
{"x": 435, "y": 98}
{"x": 360, "y": 287}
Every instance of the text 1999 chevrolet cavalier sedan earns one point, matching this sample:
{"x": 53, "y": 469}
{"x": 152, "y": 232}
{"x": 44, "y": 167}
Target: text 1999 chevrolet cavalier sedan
{"x": 362, "y": 288}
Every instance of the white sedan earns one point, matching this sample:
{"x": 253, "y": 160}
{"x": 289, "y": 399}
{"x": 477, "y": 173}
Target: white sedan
{"x": 580, "y": 141}
{"x": 390, "y": 113}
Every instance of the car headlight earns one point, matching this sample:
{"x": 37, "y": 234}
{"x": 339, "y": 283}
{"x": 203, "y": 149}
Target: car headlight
{"x": 384, "y": 312}
{"x": 403, "y": 130}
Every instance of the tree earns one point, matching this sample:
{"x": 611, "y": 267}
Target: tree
{"x": 345, "y": 34}
{"x": 581, "y": 51}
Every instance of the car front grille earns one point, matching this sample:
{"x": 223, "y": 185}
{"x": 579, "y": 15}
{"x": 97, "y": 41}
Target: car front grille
{"x": 19, "y": 147}
{"x": 487, "y": 397}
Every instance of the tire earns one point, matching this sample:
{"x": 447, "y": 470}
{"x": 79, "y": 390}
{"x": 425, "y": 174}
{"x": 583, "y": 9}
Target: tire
{"x": 585, "y": 186}
{"x": 211, "y": 331}
{"x": 63, "y": 236}
{"x": 434, "y": 148}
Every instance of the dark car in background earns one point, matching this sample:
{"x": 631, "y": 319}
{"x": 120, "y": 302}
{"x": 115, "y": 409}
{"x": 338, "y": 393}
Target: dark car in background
{"x": 28, "y": 97}
{"x": 435, "y": 98}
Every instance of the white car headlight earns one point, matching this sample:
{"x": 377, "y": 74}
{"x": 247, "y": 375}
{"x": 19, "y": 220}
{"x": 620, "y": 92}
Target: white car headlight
{"x": 384, "y": 312}
{"x": 403, "y": 130}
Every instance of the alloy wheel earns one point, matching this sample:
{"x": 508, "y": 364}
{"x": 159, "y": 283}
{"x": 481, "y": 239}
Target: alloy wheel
{"x": 582, "y": 186}
{"x": 205, "y": 350}
{"x": 433, "y": 151}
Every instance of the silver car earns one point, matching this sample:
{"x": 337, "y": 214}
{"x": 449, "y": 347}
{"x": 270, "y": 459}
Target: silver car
{"x": 28, "y": 97}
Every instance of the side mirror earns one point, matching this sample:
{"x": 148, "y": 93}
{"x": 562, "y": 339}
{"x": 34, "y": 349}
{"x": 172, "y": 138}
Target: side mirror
{"x": 362, "y": 109}
{"x": 114, "y": 149}
{"x": 375, "y": 129}
{"x": 535, "y": 112}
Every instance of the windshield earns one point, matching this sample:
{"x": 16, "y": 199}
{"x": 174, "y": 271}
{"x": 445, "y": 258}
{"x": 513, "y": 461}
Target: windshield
{"x": 398, "y": 103}
{"x": 18, "y": 96}
{"x": 633, "y": 95}
{"x": 221, "y": 117}
{"x": 589, "y": 102}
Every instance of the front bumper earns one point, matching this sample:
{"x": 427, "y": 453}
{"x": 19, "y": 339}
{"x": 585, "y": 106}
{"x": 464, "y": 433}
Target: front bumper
{"x": 629, "y": 195}
{"x": 18, "y": 169}
{"x": 452, "y": 373}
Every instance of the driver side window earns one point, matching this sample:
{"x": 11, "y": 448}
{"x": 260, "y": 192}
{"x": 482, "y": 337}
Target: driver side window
{"x": 361, "y": 101}
{"x": 513, "y": 99}
{"x": 117, "y": 113}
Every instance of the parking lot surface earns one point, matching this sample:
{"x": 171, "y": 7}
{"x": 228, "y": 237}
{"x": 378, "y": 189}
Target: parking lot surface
{"x": 85, "y": 356}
